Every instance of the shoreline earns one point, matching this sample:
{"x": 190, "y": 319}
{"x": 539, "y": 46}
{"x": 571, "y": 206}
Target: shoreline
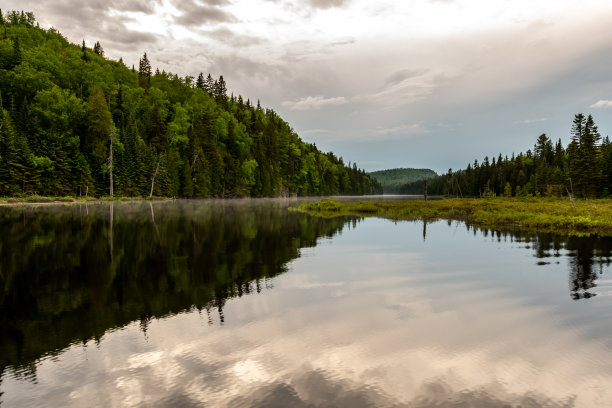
{"x": 42, "y": 200}
{"x": 555, "y": 215}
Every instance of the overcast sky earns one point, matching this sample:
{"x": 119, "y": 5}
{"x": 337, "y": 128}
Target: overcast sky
{"x": 415, "y": 83}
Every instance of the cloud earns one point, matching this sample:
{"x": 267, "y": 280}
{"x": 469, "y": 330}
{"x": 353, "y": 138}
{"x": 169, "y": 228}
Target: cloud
{"x": 326, "y": 4}
{"x": 314, "y": 103}
{"x": 602, "y": 104}
{"x": 227, "y": 36}
{"x": 145, "y": 7}
{"x": 404, "y": 87}
{"x": 529, "y": 121}
{"x": 403, "y": 75}
{"x": 195, "y": 13}
{"x": 412, "y": 129}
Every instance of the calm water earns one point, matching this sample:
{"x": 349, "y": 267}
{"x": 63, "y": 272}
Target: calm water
{"x": 244, "y": 304}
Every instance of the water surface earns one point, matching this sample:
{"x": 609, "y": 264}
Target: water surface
{"x": 243, "y": 303}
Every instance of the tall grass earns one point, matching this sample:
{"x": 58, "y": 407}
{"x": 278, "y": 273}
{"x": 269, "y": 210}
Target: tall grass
{"x": 585, "y": 217}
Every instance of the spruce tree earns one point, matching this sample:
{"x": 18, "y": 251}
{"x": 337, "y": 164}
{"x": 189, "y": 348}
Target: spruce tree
{"x": 157, "y": 130}
{"x": 200, "y": 81}
{"x": 98, "y": 49}
{"x": 589, "y": 157}
{"x": 95, "y": 141}
{"x": 16, "y": 53}
{"x": 144, "y": 72}
{"x": 209, "y": 85}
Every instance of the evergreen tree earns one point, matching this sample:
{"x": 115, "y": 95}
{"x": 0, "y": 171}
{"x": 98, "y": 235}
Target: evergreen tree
{"x": 95, "y": 141}
{"x": 98, "y": 49}
{"x": 212, "y": 146}
{"x": 84, "y": 55}
{"x": 220, "y": 90}
{"x": 200, "y": 82}
{"x": 144, "y": 72}
{"x": 589, "y": 159}
{"x": 209, "y": 85}
{"x": 16, "y": 53}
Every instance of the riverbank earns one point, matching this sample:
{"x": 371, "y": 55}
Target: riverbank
{"x": 34, "y": 199}
{"x": 582, "y": 217}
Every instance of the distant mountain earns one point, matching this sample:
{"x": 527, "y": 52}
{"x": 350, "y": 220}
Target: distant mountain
{"x": 392, "y": 179}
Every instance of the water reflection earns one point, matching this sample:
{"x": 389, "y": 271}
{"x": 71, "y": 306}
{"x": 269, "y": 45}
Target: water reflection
{"x": 70, "y": 273}
{"x": 143, "y": 304}
{"x": 588, "y": 257}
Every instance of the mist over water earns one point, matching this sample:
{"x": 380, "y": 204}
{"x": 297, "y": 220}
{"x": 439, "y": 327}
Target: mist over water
{"x": 243, "y": 303}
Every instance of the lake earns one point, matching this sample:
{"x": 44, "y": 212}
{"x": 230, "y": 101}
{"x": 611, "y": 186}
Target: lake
{"x": 247, "y": 304}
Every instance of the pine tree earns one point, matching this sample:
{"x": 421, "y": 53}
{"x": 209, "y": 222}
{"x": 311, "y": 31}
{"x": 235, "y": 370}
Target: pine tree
{"x": 220, "y": 91}
{"x": 84, "y": 55}
{"x": 16, "y": 53}
{"x": 590, "y": 158}
{"x": 577, "y": 128}
{"x": 144, "y": 72}
{"x": 200, "y": 81}
{"x": 98, "y": 49}
{"x": 95, "y": 142}
{"x": 209, "y": 85}
{"x": 157, "y": 130}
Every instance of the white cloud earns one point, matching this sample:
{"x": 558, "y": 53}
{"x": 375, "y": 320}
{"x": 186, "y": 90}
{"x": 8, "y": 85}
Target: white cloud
{"x": 314, "y": 103}
{"x": 529, "y": 121}
{"x": 404, "y": 91}
{"x": 602, "y": 104}
{"x": 412, "y": 129}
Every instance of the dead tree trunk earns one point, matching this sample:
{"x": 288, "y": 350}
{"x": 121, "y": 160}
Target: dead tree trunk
{"x": 153, "y": 178}
{"x": 110, "y": 162}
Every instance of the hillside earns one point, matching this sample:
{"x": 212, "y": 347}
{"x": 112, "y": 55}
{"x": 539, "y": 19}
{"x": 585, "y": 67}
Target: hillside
{"x": 75, "y": 123}
{"x": 391, "y": 180}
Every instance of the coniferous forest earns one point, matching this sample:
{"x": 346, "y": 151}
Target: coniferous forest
{"x": 73, "y": 122}
{"x": 582, "y": 169}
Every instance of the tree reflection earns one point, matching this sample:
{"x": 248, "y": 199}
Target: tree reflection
{"x": 588, "y": 256}
{"x": 70, "y": 273}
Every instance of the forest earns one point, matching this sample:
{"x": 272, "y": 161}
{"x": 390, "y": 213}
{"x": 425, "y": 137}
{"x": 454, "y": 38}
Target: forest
{"x": 582, "y": 169}
{"x": 74, "y": 123}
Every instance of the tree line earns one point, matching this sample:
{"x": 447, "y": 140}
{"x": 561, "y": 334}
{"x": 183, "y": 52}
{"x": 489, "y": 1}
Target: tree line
{"x": 75, "y": 123}
{"x": 582, "y": 169}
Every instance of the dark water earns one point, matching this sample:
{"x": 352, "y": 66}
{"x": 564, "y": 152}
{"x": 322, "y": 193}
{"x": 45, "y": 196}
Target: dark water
{"x": 245, "y": 304}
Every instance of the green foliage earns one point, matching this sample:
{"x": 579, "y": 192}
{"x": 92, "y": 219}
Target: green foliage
{"x": 584, "y": 169}
{"x": 581, "y": 217}
{"x": 62, "y": 100}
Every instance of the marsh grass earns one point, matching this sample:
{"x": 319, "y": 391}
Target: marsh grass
{"x": 531, "y": 214}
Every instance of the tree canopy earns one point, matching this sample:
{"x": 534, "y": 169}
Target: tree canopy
{"x": 173, "y": 136}
{"x": 583, "y": 169}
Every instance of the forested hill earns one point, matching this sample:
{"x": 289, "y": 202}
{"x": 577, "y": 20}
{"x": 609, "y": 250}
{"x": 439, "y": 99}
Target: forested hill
{"x": 391, "y": 180}
{"x": 583, "y": 169}
{"x": 73, "y": 123}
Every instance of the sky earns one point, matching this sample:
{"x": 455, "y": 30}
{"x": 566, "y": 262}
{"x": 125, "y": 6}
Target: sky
{"x": 415, "y": 83}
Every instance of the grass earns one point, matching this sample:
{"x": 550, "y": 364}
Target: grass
{"x": 558, "y": 215}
